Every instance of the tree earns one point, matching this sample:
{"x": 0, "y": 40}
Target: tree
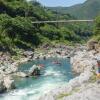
{"x": 97, "y": 28}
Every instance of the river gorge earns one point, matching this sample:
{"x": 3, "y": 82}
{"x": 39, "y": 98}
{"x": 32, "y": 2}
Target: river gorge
{"x": 52, "y": 76}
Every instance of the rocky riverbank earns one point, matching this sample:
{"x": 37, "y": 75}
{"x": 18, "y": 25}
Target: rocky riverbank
{"x": 82, "y": 59}
{"x": 9, "y": 63}
{"x": 8, "y": 66}
{"x": 84, "y": 87}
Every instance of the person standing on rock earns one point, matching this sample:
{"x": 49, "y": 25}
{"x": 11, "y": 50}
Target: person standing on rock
{"x": 98, "y": 65}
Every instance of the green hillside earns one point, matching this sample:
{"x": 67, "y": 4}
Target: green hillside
{"x": 17, "y": 30}
{"x": 88, "y": 10}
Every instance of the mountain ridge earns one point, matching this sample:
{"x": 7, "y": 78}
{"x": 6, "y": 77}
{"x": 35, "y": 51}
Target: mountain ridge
{"x": 88, "y": 10}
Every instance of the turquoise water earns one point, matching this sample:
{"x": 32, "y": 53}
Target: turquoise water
{"x": 52, "y": 76}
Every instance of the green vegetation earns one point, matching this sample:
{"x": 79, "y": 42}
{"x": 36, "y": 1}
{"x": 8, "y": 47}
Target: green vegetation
{"x": 88, "y": 10}
{"x": 93, "y": 78}
{"x": 17, "y": 30}
{"x": 97, "y": 29}
{"x": 61, "y": 96}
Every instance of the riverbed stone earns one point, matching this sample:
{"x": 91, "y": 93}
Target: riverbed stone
{"x": 2, "y": 87}
{"x": 83, "y": 61}
{"x": 92, "y": 44}
{"x": 9, "y": 83}
{"x": 20, "y": 74}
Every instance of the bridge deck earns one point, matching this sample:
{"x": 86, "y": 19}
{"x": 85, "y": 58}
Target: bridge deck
{"x": 61, "y": 21}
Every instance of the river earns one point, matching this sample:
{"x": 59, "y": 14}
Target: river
{"x": 52, "y": 76}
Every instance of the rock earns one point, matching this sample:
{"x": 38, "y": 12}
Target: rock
{"x": 83, "y": 60}
{"x": 47, "y": 97}
{"x": 9, "y": 83}
{"x": 20, "y": 74}
{"x": 92, "y": 44}
{"x": 34, "y": 71}
{"x": 69, "y": 87}
{"x": 29, "y": 54}
{"x": 97, "y": 46}
{"x": 6, "y": 83}
{"x": 74, "y": 83}
{"x": 2, "y": 87}
{"x": 8, "y": 68}
{"x": 86, "y": 92}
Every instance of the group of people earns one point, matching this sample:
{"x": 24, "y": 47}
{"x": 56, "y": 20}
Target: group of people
{"x": 35, "y": 70}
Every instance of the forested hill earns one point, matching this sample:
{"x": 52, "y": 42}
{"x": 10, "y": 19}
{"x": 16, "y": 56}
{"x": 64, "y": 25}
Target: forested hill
{"x": 88, "y": 10}
{"x": 17, "y": 31}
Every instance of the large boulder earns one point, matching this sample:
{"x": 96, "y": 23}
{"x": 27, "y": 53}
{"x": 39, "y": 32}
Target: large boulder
{"x": 83, "y": 60}
{"x": 2, "y": 87}
{"x": 92, "y": 44}
{"x": 6, "y": 83}
{"x": 20, "y": 74}
{"x": 29, "y": 54}
{"x": 97, "y": 47}
{"x": 9, "y": 83}
{"x": 34, "y": 70}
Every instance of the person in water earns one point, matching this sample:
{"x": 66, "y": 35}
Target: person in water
{"x": 57, "y": 62}
{"x": 44, "y": 57}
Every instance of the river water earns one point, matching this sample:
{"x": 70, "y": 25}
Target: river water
{"x": 52, "y": 76}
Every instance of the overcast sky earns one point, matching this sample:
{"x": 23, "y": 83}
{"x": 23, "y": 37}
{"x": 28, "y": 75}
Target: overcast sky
{"x": 66, "y": 3}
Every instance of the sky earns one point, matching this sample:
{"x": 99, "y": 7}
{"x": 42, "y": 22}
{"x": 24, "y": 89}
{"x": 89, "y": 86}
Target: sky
{"x": 65, "y": 3}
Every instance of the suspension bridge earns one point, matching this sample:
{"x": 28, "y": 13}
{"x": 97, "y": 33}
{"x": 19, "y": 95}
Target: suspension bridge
{"x": 62, "y": 21}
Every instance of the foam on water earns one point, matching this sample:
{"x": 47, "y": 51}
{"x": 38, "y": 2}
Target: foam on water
{"x": 30, "y": 93}
{"x": 51, "y": 72}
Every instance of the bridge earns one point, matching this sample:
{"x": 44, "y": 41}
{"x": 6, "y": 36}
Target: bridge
{"x": 62, "y": 21}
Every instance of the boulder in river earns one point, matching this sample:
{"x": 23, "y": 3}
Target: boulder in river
{"x": 34, "y": 70}
{"x": 20, "y": 74}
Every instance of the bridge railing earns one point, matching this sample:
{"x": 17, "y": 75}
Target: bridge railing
{"x": 62, "y": 21}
